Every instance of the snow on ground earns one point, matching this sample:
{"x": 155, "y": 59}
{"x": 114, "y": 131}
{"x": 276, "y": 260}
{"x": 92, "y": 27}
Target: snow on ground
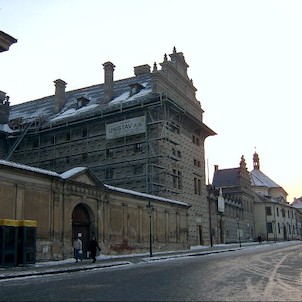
{"x": 196, "y": 248}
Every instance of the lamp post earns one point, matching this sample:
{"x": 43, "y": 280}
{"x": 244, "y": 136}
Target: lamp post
{"x": 238, "y": 231}
{"x": 150, "y": 209}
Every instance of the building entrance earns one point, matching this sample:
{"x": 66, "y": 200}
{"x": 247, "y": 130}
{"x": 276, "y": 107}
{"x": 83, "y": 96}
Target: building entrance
{"x": 81, "y": 226}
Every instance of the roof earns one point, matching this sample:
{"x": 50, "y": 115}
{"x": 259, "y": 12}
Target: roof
{"x": 259, "y": 179}
{"x": 226, "y": 178}
{"x": 297, "y": 203}
{"x": 43, "y": 108}
{"x": 148, "y": 196}
{"x": 6, "y": 41}
{"x": 75, "y": 171}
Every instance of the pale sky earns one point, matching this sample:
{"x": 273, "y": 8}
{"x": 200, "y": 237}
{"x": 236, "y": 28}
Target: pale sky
{"x": 245, "y": 60}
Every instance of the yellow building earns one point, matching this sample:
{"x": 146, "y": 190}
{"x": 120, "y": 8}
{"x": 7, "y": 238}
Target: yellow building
{"x": 76, "y": 202}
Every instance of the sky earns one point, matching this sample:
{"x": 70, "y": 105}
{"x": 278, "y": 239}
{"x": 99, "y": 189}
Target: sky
{"x": 244, "y": 57}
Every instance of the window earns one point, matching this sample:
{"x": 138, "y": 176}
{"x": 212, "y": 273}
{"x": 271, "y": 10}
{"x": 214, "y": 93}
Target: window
{"x": 109, "y": 152}
{"x": 84, "y": 155}
{"x": 138, "y": 170}
{"x": 277, "y": 212}
{"x": 195, "y": 140}
{"x": 68, "y": 136}
{"x": 177, "y": 179}
{"x": 268, "y": 211}
{"x": 138, "y": 147}
{"x": 269, "y": 227}
{"x": 109, "y": 173}
{"x": 196, "y": 163}
{"x": 197, "y": 186}
{"x": 283, "y": 213}
{"x": 84, "y": 133}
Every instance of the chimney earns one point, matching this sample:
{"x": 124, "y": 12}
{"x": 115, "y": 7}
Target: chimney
{"x": 4, "y": 108}
{"x": 142, "y": 69}
{"x": 108, "y": 82}
{"x": 59, "y": 94}
{"x": 215, "y": 168}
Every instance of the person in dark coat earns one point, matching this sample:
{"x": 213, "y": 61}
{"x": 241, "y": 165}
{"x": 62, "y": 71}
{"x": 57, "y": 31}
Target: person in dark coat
{"x": 93, "y": 246}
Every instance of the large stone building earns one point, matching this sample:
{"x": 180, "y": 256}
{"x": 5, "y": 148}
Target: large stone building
{"x": 144, "y": 133}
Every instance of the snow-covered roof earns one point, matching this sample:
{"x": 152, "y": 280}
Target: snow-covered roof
{"x": 77, "y": 170}
{"x": 28, "y": 168}
{"x": 147, "y": 195}
{"x": 73, "y": 172}
{"x": 297, "y": 203}
{"x": 43, "y": 109}
{"x": 5, "y": 128}
{"x": 259, "y": 179}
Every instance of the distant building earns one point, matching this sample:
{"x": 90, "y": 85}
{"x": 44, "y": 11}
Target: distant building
{"x": 255, "y": 203}
{"x": 275, "y": 218}
{"x": 144, "y": 133}
{"x": 238, "y": 215}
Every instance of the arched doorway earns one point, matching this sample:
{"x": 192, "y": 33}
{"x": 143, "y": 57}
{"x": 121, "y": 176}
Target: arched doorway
{"x": 81, "y": 226}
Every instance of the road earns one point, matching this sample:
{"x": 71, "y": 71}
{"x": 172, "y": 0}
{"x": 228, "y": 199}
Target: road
{"x": 270, "y": 272}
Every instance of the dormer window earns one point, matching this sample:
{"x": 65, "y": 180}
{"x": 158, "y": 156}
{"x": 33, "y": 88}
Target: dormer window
{"x": 81, "y": 102}
{"x": 135, "y": 88}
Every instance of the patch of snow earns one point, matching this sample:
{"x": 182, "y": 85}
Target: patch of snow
{"x": 72, "y": 172}
{"x": 28, "y": 168}
{"x": 146, "y": 195}
{"x": 73, "y": 112}
{"x": 5, "y": 128}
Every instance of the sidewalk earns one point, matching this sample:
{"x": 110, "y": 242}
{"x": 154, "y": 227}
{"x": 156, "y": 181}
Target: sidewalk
{"x": 104, "y": 261}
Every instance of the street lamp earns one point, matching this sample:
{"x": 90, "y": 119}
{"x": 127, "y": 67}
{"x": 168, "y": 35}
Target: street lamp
{"x": 150, "y": 209}
{"x": 238, "y": 231}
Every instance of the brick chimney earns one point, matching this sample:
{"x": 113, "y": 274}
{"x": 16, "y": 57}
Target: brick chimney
{"x": 216, "y": 168}
{"x": 4, "y": 108}
{"x": 108, "y": 81}
{"x": 59, "y": 94}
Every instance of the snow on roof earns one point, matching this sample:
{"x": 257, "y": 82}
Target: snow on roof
{"x": 77, "y": 170}
{"x": 72, "y": 172}
{"x": 124, "y": 97}
{"x": 5, "y": 128}
{"x": 259, "y": 179}
{"x": 297, "y": 203}
{"x": 73, "y": 111}
{"x": 28, "y": 168}
{"x": 147, "y": 195}
{"x": 44, "y": 108}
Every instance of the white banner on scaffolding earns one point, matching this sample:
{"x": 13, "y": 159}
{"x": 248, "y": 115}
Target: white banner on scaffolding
{"x": 128, "y": 127}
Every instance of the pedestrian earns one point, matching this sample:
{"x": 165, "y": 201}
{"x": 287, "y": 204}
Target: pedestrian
{"x": 259, "y": 239}
{"x": 93, "y": 247}
{"x": 77, "y": 245}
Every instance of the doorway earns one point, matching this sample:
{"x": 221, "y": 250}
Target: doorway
{"x": 81, "y": 226}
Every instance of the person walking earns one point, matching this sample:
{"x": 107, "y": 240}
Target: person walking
{"x": 93, "y": 247}
{"x": 77, "y": 245}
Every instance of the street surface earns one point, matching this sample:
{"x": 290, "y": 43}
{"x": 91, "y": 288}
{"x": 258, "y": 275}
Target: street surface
{"x": 271, "y": 272}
